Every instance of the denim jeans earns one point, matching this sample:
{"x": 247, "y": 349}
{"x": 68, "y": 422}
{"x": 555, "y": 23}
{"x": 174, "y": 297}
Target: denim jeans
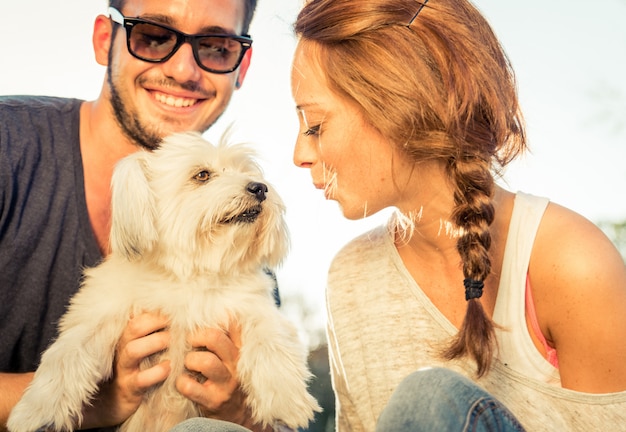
{"x": 199, "y": 424}
{"x": 439, "y": 399}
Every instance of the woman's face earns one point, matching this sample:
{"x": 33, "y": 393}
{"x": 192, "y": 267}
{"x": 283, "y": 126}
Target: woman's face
{"x": 349, "y": 159}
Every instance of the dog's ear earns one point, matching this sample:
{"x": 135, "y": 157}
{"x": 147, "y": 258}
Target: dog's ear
{"x": 133, "y": 231}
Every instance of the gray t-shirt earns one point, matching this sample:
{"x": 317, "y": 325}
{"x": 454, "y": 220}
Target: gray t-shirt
{"x": 46, "y": 238}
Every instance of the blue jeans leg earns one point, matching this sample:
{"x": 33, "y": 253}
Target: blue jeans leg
{"x": 439, "y": 399}
{"x": 200, "y": 424}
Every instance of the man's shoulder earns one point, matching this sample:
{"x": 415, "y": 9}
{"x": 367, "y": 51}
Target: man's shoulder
{"x": 37, "y": 122}
{"x": 38, "y": 134}
{"x": 37, "y": 103}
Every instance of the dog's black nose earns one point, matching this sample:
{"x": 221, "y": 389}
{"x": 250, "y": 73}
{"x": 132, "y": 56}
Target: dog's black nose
{"x": 258, "y": 190}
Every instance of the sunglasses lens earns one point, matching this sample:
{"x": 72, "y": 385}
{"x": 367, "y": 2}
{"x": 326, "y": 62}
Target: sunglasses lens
{"x": 219, "y": 53}
{"x": 155, "y": 43}
{"x": 152, "y": 42}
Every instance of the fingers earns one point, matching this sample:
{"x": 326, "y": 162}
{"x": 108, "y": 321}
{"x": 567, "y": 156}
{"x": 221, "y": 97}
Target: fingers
{"x": 215, "y": 357}
{"x": 146, "y": 328}
{"x": 234, "y": 333}
{"x": 135, "y": 346}
{"x": 209, "y": 365}
{"x": 221, "y": 400}
{"x": 151, "y": 376}
{"x": 142, "y": 325}
{"x": 119, "y": 397}
{"x": 144, "y": 336}
{"x": 218, "y": 342}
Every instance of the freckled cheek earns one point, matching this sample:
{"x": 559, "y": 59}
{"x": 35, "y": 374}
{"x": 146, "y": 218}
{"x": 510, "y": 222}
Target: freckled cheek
{"x": 371, "y": 180}
{"x": 354, "y": 178}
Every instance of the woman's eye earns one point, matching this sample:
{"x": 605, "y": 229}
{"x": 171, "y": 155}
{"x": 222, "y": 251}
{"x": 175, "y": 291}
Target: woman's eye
{"x": 312, "y": 131}
{"x": 202, "y": 176}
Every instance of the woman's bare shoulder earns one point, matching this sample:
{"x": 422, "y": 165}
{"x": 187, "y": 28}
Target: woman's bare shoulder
{"x": 579, "y": 283}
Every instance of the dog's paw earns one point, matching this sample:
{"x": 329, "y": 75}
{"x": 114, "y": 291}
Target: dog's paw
{"x": 274, "y": 374}
{"x": 286, "y": 400}
{"x": 42, "y": 408}
{"x": 298, "y": 413}
{"x": 22, "y": 419}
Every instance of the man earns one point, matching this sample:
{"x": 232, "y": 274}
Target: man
{"x": 56, "y": 161}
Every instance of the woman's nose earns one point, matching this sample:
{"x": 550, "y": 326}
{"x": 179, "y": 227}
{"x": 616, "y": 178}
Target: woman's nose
{"x": 304, "y": 153}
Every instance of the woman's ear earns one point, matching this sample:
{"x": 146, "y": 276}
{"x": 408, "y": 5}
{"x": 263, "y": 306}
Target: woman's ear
{"x": 101, "y": 39}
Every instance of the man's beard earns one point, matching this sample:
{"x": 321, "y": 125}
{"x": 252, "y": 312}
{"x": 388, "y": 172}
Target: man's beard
{"x": 130, "y": 124}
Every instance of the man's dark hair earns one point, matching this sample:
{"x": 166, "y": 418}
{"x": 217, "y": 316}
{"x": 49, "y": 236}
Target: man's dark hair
{"x": 250, "y": 8}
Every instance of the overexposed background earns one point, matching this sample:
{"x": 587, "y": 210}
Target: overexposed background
{"x": 570, "y": 59}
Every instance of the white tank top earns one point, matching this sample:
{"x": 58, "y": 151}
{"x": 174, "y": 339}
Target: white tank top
{"x": 516, "y": 348}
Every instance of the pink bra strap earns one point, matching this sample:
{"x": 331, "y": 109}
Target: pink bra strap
{"x": 532, "y": 316}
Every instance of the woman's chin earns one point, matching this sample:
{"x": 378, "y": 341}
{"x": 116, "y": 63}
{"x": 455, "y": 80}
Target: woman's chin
{"x": 354, "y": 213}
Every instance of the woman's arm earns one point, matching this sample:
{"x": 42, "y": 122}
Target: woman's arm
{"x": 579, "y": 283}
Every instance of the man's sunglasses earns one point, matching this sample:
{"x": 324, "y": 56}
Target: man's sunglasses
{"x": 157, "y": 43}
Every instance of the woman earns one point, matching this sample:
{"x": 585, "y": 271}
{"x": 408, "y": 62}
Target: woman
{"x": 413, "y": 105}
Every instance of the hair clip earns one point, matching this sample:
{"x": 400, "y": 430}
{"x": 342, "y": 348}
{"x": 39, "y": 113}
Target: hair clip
{"x": 473, "y": 288}
{"x": 417, "y": 13}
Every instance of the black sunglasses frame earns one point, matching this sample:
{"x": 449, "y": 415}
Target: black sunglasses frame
{"x": 129, "y": 23}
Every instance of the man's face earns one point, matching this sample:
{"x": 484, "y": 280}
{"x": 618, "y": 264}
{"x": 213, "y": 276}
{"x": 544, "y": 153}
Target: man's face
{"x": 152, "y": 100}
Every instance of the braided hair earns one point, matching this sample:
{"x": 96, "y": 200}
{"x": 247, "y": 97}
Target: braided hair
{"x": 438, "y": 84}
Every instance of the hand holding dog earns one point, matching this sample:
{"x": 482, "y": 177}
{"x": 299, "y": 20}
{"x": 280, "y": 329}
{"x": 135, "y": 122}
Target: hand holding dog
{"x": 215, "y": 358}
{"x": 118, "y": 398}
{"x": 145, "y": 334}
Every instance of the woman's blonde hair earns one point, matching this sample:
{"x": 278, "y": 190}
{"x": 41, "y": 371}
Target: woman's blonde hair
{"x": 441, "y": 87}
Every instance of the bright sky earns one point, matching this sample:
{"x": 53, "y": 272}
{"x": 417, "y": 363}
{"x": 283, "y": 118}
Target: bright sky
{"x": 570, "y": 59}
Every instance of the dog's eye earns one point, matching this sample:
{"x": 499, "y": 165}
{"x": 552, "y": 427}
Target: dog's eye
{"x": 203, "y": 176}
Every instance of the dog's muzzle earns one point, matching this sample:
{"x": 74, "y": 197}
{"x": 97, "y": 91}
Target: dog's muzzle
{"x": 258, "y": 191}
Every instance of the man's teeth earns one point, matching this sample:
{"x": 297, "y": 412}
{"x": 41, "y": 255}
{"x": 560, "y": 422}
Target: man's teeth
{"x": 174, "y": 101}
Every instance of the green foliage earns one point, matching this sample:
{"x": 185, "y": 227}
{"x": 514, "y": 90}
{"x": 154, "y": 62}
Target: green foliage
{"x": 616, "y": 231}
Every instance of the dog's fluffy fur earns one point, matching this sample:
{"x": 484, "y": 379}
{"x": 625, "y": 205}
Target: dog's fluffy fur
{"x": 193, "y": 228}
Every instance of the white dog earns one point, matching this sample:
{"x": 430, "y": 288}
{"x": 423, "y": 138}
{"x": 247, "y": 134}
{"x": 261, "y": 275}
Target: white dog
{"x": 193, "y": 228}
